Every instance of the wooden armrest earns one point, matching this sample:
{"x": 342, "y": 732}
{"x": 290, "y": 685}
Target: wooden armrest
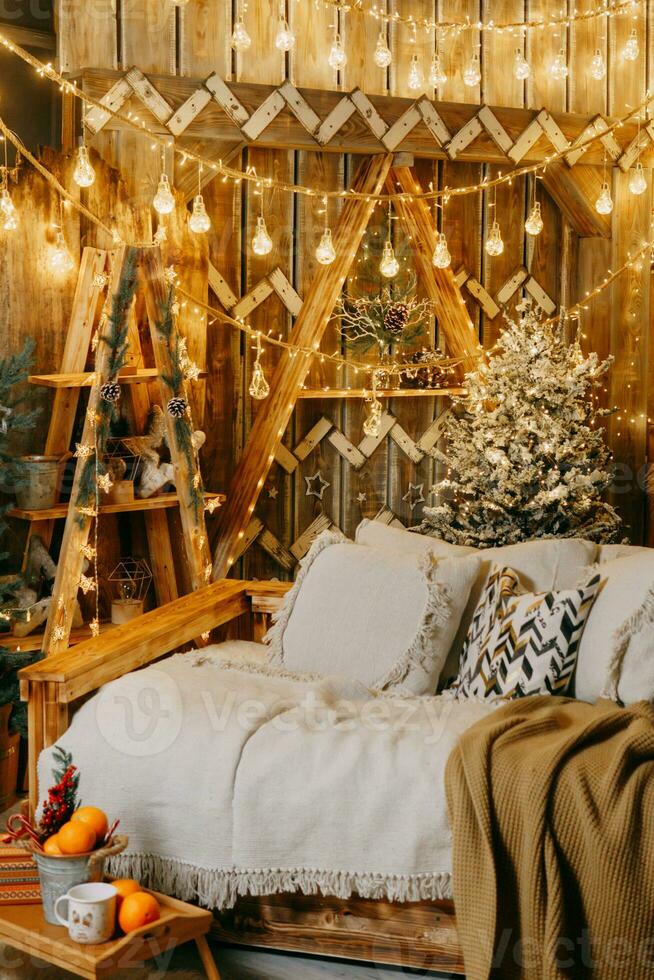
{"x": 267, "y": 597}
{"x": 118, "y": 651}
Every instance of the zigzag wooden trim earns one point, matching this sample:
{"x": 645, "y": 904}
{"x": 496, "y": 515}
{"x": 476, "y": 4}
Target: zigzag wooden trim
{"x": 286, "y": 557}
{"x": 274, "y": 282}
{"x": 518, "y": 279}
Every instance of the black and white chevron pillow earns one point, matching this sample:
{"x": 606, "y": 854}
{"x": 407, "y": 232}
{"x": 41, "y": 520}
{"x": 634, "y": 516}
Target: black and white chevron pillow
{"x": 522, "y": 643}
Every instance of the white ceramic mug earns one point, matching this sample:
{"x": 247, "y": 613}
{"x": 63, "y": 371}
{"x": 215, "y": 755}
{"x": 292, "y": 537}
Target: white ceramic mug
{"x": 91, "y": 912}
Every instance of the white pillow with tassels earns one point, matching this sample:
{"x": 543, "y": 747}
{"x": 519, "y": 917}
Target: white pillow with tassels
{"x": 384, "y": 619}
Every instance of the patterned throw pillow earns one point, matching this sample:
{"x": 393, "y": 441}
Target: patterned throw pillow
{"x": 523, "y": 643}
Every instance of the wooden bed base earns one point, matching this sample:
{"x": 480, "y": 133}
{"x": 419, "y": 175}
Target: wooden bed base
{"x": 421, "y": 935}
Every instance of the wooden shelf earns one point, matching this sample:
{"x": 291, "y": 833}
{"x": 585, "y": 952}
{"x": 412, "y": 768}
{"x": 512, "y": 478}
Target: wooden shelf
{"x": 34, "y": 641}
{"x": 149, "y": 503}
{"x": 365, "y": 393}
{"x": 84, "y": 380}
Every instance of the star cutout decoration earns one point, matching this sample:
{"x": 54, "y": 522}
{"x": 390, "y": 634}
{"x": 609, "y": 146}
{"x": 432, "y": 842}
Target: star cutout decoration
{"x": 362, "y": 497}
{"x": 414, "y": 494}
{"x": 272, "y": 493}
{"x": 316, "y": 486}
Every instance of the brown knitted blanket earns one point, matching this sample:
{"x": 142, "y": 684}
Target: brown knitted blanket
{"x": 552, "y": 805}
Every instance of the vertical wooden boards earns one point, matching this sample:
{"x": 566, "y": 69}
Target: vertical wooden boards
{"x": 456, "y": 52}
{"x": 269, "y": 426}
{"x": 461, "y": 220}
{"x": 262, "y": 62}
{"x": 586, "y": 93}
{"x": 86, "y": 41}
{"x": 148, "y": 35}
{"x": 360, "y": 32}
{"x": 407, "y": 43}
{"x": 206, "y": 28}
{"x": 500, "y": 86}
{"x": 543, "y": 89}
{"x": 308, "y": 58}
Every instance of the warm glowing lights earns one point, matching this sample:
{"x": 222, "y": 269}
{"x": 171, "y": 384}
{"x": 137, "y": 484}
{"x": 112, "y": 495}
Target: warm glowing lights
{"x": 494, "y": 244}
{"x": 382, "y": 55}
{"x": 199, "y": 222}
{"x": 534, "y": 223}
{"x": 389, "y": 266}
{"x": 472, "y": 72}
{"x": 559, "y": 67}
{"x": 61, "y": 260}
{"x": 604, "y": 203}
{"x": 631, "y": 49}
{"x": 285, "y": 38}
{"x": 8, "y": 213}
{"x": 441, "y": 257}
{"x": 259, "y": 387}
{"x": 521, "y": 69}
{"x": 598, "y": 66}
{"x": 241, "y": 40}
{"x": 261, "y": 242}
{"x": 337, "y": 57}
{"x": 325, "y": 252}
{"x": 163, "y": 202}
{"x": 416, "y": 80}
{"x": 83, "y": 174}
{"x": 437, "y": 74}
{"x": 637, "y": 181}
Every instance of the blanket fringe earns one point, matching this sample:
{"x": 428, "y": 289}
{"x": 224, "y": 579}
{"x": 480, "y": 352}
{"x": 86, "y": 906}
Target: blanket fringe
{"x": 221, "y": 889}
{"x": 640, "y": 619}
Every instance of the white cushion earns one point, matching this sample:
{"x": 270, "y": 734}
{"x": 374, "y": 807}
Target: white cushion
{"x": 609, "y": 552}
{"x": 383, "y": 618}
{"x": 623, "y": 608}
{"x": 374, "y": 534}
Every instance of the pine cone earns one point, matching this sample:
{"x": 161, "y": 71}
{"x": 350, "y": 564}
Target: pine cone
{"x": 430, "y": 376}
{"x": 110, "y": 391}
{"x": 396, "y": 319}
{"x": 177, "y": 407}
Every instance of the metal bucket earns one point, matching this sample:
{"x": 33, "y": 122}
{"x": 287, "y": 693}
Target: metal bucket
{"x": 38, "y": 486}
{"x": 58, "y": 874}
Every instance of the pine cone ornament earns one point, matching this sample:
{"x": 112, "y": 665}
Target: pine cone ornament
{"x": 396, "y": 319}
{"x": 429, "y": 376}
{"x": 110, "y": 391}
{"x": 177, "y": 407}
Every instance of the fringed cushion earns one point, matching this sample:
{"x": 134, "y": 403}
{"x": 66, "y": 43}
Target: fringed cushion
{"x": 386, "y": 620}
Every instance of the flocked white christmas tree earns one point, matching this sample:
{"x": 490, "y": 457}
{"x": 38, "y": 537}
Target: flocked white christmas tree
{"x": 526, "y": 456}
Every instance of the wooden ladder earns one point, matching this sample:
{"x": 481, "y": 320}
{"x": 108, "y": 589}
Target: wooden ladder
{"x": 95, "y": 269}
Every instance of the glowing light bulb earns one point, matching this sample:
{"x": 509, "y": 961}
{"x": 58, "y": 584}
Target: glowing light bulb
{"x": 285, "y": 38}
{"x": 637, "y": 181}
{"x": 337, "y": 57}
{"x": 631, "y": 49}
{"x": 83, "y": 174}
{"x": 382, "y": 55}
{"x": 534, "y": 223}
{"x": 60, "y": 258}
{"x": 10, "y": 222}
{"x": 163, "y": 202}
{"x": 416, "y": 78}
{"x": 604, "y": 203}
{"x": 441, "y": 257}
{"x": 521, "y": 69}
{"x": 598, "y": 66}
{"x": 494, "y": 244}
{"x": 471, "y": 72}
{"x": 241, "y": 40}
{"x": 325, "y": 252}
{"x": 559, "y": 68}
{"x": 8, "y": 211}
{"x": 389, "y": 266}
{"x": 437, "y": 74}
{"x": 261, "y": 242}
{"x": 199, "y": 222}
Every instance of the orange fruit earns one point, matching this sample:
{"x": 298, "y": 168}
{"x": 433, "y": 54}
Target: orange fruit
{"x": 75, "y": 837}
{"x": 51, "y": 846}
{"x": 138, "y": 910}
{"x": 94, "y": 818}
{"x": 125, "y": 887}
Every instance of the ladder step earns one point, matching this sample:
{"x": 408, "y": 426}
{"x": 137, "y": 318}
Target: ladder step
{"x": 84, "y": 379}
{"x": 148, "y": 503}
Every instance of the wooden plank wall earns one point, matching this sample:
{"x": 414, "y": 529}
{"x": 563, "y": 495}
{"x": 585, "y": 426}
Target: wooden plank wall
{"x": 194, "y": 40}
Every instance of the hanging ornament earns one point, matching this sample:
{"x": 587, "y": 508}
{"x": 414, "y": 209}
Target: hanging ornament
{"x": 241, "y": 40}
{"x": 382, "y": 55}
{"x": 494, "y": 244}
{"x": 337, "y": 56}
{"x": 521, "y": 69}
{"x": 285, "y": 38}
{"x": 177, "y": 407}
{"x": 396, "y": 319}
{"x": 163, "y": 201}
{"x": 598, "y": 66}
{"x": 559, "y": 68}
{"x": 437, "y": 74}
{"x": 110, "y": 391}
{"x": 160, "y": 235}
{"x": 534, "y": 223}
{"x": 389, "y": 266}
{"x": 261, "y": 242}
{"x": 60, "y": 258}
{"x": 441, "y": 257}
{"x": 604, "y": 203}
{"x": 416, "y": 78}
{"x": 637, "y": 180}
{"x": 259, "y": 387}
{"x": 325, "y": 252}
{"x": 631, "y": 49}
{"x": 471, "y": 72}
{"x": 372, "y": 422}
{"x": 199, "y": 222}
{"x": 83, "y": 174}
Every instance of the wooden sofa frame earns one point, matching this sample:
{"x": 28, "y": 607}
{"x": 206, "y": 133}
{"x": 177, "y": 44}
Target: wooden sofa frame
{"x": 421, "y": 935}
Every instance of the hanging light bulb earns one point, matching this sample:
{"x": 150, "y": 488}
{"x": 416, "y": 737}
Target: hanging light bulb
{"x": 60, "y": 258}
{"x": 8, "y": 211}
{"x": 389, "y": 266}
{"x": 325, "y": 252}
{"x": 521, "y": 69}
{"x": 604, "y": 203}
{"x": 437, "y": 74}
{"x": 441, "y": 257}
{"x": 83, "y": 174}
{"x": 559, "y": 68}
{"x": 199, "y": 222}
{"x": 534, "y": 223}
{"x": 337, "y": 57}
{"x": 285, "y": 38}
{"x": 471, "y": 72}
{"x": 373, "y": 421}
{"x": 416, "y": 78}
{"x": 494, "y": 244}
{"x": 598, "y": 66}
{"x": 631, "y": 49}
{"x": 163, "y": 202}
{"x": 382, "y": 55}
{"x": 637, "y": 181}
{"x": 261, "y": 242}
{"x": 259, "y": 387}
{"x": 241, "y": 40}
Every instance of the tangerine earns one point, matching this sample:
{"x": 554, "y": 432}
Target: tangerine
{"x": 75, "y": 837}
{"x": 51, "y": 847}
{"x": 125, "y": 887}
{"x": 138, "y": 910}
{"x": 94, "y": 818}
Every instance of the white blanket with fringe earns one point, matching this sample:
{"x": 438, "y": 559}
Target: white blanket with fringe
{"x": 232, "y": 777}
